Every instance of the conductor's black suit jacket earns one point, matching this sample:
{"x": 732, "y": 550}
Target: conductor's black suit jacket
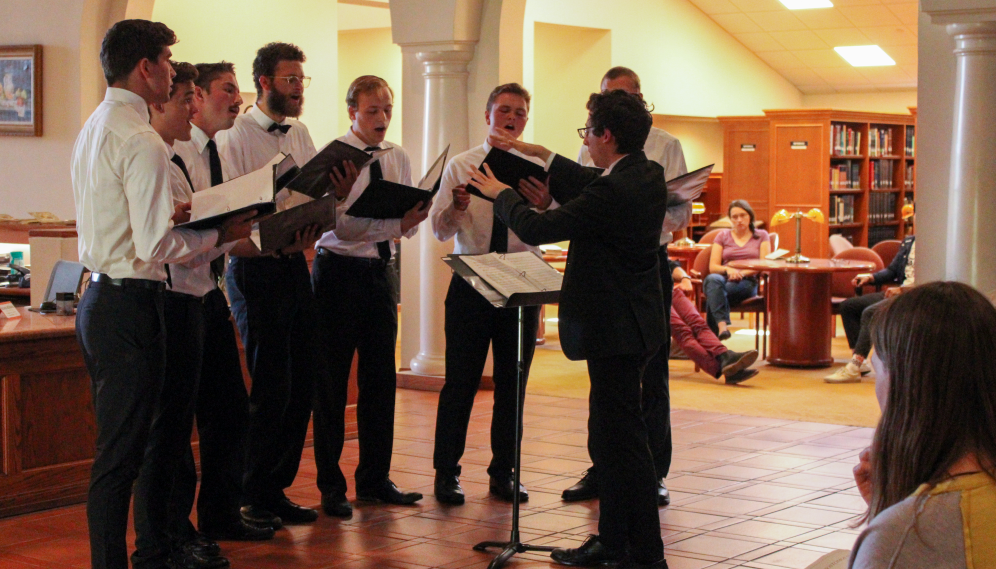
{"x": 612, "y": 301}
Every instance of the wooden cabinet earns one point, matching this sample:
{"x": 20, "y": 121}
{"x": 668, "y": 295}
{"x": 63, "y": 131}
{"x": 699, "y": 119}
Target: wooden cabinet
{"x": 856, "y": 167}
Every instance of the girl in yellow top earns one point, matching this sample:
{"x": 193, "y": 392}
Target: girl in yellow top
{"x": 930, "y": 475}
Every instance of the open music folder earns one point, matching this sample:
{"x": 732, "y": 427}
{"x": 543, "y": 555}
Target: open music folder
{"x": 279, "y": 230}
{"x": 509, "y": 169}
{"x": 210, "y": 207}
{"x": 509, "y": 279}
{"x": 389, "y": 200}
{"x": 314, "y": 178}
{"x": 688, "y": 187}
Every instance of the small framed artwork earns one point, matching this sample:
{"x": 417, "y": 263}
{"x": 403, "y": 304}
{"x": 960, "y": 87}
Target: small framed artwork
{"x": 21, "y": 90}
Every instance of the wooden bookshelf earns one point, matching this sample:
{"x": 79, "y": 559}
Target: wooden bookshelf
{"x": 805, "y": 158}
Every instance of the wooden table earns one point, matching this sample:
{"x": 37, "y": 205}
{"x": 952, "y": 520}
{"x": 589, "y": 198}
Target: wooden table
{"x": 685, "y": 255}
{"x": 798, "y": 298}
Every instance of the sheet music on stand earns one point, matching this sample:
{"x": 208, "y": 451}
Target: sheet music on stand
{"x": 509, "y": 279}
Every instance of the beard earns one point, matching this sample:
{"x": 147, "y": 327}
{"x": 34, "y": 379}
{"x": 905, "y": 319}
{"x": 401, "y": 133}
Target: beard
{"x": 282, "y": 104}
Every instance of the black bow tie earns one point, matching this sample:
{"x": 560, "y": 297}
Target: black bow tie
{"x": 283, "y": 128}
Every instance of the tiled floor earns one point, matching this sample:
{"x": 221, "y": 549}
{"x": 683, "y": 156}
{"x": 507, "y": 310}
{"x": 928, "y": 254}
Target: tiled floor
{"x": 747, "y": 492}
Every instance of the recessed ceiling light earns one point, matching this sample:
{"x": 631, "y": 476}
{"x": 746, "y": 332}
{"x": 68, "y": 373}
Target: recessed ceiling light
{"x": 806, "y": 4}
{"x": 864, "y": 55}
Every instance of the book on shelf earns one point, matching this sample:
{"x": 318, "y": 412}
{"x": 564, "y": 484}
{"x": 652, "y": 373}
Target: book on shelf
{"x": 910, "y": 141}
{"x": 908, "y": 181}
{"x": 880, "y": 142}
{"x": 882, "y": 207}
{"x": 844, "y": 140}
{"x": 846, "y": 175}
{"x": 881, "y": 174}
{"x": 841, "y": 209}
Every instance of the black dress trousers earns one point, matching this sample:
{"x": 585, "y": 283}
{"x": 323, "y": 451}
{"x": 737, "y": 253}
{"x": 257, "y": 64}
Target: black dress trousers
{"x": 274, "y": 308}
{"x": 123, "y": 339}
{"x": 358, "y": 314}
{"x": 656, "y": 388}
{"x": 472, "y": 324}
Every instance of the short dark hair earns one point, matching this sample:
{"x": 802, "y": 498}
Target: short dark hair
{"x": 742, "y": 204}
{"x": 511, "y": 89}
{"x": 208, "y": 72}
{"x": 129, "y": 42}
{"x": 364, "y": 84}
{"x": 620, "y": 71}
{"x": 936, "y": 342}
{"x": 625, "y": 115}
{"x": 269, "y": 56}
{"x": 185, "y": 73}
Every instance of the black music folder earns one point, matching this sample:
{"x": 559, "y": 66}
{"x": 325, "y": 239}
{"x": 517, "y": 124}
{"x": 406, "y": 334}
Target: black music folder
{"x": 509, "y": 169}
{"x": 210, "y": 207}
{"x": 278, "y": 230}
{"x": 509, "y": 279}
{"x": 314, "y": 180}
{"x": 687, "y": 187}
{"x": 389, "y": 200}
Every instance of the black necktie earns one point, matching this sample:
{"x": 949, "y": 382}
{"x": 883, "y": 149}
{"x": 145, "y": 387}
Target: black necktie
{"x": 499, "y": 236}
{"x": 376, "y": 173}
{"x": 283, "y": 128}
{"x": 214, "y": 162}
{"x": 183, "y": 168}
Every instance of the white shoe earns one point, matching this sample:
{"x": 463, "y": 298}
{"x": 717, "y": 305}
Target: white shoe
{"x": 866, "y": 367}
{"x": 850, "y": 373}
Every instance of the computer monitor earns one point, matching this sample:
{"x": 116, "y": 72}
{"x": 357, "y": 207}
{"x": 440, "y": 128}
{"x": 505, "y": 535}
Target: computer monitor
{"x": 67, "y": 276}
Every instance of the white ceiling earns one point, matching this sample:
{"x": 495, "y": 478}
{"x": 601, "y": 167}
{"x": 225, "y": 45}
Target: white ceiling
{"x": 798, "y": 44}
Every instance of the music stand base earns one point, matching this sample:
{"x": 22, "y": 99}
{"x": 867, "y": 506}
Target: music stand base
{"x": 509, "y": 548}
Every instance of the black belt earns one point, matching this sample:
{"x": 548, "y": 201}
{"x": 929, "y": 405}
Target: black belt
{"x": 367, "y": 262}
{"x": 147, "y": 284}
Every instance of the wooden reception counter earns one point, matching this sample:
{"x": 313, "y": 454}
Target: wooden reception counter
{"x": 47, "y": 426}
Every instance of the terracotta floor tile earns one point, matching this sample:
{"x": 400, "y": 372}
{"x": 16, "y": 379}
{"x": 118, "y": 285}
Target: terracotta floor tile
{"x": 727, "y": 506}
{"x": 738, "y": 472}
{"x": 811, "y": 516}
{"x": 815, "y": 451}
{"x": 793, "y": 557}
{"x": 841, "y": 469}
{"x": 807, "y": 480}
{"x": 695, "y": 483}
{"x": 764, "y": 530}
{"x": 675, "y": 518}
{"x": 841, "y": 501}
{"x": 776, "y": 461}
{"x": 772, "y": 492}
{"x": 713, "y": 545}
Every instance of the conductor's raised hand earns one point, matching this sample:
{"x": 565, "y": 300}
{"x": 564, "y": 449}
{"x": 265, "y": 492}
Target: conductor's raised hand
{"x": 235, "y": 228}
{"x": 303, "y": 239}
{"x": 487, "y": 183}
{"x": 461, "y": 199}
{"x": 504, "y": 141}
{"x": 536, "y": 191}
{"x": 415, "y": 215}
{"x": 181, "y": 213}
{"x": 344, "y": 179}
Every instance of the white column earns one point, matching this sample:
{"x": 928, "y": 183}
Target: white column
{"x": 971, "y": 243}
{"x": 445, "y": 123}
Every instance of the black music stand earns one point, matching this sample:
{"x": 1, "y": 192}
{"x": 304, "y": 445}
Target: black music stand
{"x": 519, "y": 300}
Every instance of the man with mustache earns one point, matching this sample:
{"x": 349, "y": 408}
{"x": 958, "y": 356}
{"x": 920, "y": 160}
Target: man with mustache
{"x": 472, "y": 324}
{"x": 221, "y": 402}
{"x": 359, "y": 313}
{"x": 272, "y": 299}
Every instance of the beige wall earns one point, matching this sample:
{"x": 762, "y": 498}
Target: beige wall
{"x": 701, "y": 139}
{"x": 568, "y": 61}
{"x": 369, "y": 52}
{"x": 233, "y": 31}
{"x": 887, "y": 102}
{"x": 34, "y": 171}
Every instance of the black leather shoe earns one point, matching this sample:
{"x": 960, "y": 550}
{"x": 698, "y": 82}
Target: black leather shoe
{"x": 184, "y": 558}
{"x": 239, "y": 530}
{"x": 741, "y": 376}
{"x": 291, "y": 513}
{"x": 592, "y": 553}
{"x": 202, "y": 545}
{"x": 336, "y": 505}
{"x": 260, "y": 517}
{"x": 389, "y": 494}
{"x": 731, "y": 362}
{"x": 448, "y": 490}
{"x": 630, "y": 563}
{"x": 502, "y": 488}
{"x": 585, "y": 489}
{"x": 663, "y": 496}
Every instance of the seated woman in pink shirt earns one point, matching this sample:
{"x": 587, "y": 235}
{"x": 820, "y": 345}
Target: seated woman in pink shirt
{"x": 690, "y": 332}
{"x": 725, "y": 286}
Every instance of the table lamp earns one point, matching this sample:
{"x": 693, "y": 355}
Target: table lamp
{"x": 698, "y": 208}
{"x": 783, "y": 216}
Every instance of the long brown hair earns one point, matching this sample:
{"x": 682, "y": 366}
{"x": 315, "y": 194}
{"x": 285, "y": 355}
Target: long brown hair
{"x": 742, "y": 204}
{"x": 937, "y": 342}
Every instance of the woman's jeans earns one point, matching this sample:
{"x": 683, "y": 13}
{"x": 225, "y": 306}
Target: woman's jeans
{"x": 721, "y": 293}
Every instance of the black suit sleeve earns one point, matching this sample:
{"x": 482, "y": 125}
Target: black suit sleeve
{"x": 581, "y": 217}
{"x": 896, "y": 271}
{"x": 568, "y": 178}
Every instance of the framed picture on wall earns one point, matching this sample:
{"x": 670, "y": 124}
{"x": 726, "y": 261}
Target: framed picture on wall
{"x": 21, "y": 90}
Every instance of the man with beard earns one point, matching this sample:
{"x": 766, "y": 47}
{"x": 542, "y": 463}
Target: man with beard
{"x": 121, "y": 185}
{"x": 472, "y": 324}
{"x": 221, "y": 402}
{"x": 359, "y": 314}
{"x": 271, "y": 297}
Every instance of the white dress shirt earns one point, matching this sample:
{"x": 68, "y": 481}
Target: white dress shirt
{"x": 665, "y": 149}
{"x": 248, "y": 146}
{"x": 472, "y": 227}
{"x": 194, "y": 276}
{"x": 120, "y": 174}
{"x": 358, "y": 236}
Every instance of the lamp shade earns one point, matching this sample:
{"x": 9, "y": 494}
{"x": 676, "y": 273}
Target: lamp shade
{"x": 780, "y": 217}
{"x": 815, "y": 215}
